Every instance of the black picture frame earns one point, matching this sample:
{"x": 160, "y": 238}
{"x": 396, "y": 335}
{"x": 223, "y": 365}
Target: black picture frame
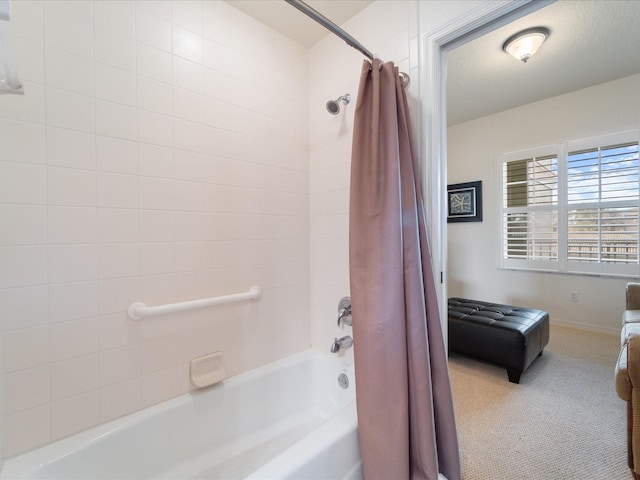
{"x": 464, "y": 202}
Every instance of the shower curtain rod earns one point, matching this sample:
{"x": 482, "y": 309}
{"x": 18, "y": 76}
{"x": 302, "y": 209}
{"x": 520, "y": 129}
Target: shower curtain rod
{"x": 333, "y": 28}
{"x": 329, "y": 25}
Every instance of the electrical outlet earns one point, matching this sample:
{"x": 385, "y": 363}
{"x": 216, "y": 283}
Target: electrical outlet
{"x": 573, "y": 296}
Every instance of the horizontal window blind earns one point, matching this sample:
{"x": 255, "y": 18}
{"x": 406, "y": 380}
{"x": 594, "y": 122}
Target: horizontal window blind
{"x": 530, "y": 200}
{"x": 603, "y": 235}
{"x": 531, "y": 235}
{"x": 603, "y": 188}
{"x": 603, "y": 174}
{"x": 577, "y": 210}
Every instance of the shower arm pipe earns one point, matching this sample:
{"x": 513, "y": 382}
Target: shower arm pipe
{"x": 12, "y": 82}
{"x": 138, "y": 310}
{"x": 329, "y": 25}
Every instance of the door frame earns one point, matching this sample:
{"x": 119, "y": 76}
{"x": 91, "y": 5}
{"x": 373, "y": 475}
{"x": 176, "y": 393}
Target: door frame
{"x": 434, "y": 45}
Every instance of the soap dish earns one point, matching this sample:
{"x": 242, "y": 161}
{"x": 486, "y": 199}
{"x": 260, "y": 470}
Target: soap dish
{"x": 207, "y": 370}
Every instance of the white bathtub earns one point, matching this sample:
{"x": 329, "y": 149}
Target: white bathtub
{"x": 286, "y": 420}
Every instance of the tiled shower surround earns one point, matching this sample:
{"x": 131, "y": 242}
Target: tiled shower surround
{"x": 163, "y": 152}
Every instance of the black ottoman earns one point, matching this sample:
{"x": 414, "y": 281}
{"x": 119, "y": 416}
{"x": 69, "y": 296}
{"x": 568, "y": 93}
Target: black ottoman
{"x": 509, "y": 336}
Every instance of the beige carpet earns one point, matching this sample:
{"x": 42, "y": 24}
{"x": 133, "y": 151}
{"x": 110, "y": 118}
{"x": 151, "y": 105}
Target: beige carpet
{"x": 563, "y": 421}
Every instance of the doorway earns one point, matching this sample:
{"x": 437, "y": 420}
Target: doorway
{"x": 484, "y": 18}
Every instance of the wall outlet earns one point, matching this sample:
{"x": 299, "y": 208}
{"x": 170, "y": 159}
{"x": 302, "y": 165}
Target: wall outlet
{"x": 573, "y": 296}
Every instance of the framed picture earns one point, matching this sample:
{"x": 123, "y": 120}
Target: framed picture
{"x": 464, "y": 202}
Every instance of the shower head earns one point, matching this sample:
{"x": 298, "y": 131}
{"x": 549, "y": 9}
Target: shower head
{"x": 333, "y": 106}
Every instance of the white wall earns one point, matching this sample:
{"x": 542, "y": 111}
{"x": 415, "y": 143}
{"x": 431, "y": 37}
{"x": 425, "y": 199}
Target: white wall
{"x": 158, "y": 155}
{"x": 472, "y": 150}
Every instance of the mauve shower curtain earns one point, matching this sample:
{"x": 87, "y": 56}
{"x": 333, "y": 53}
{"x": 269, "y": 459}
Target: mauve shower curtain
{"x": 405, "y": 410}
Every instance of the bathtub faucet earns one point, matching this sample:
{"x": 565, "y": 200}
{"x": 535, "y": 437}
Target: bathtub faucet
{"x": 344, "y": 311}
{"x": 340, "y": 343}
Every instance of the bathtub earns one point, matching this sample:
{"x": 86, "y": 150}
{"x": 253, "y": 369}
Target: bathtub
{"x": 286, "y": 420}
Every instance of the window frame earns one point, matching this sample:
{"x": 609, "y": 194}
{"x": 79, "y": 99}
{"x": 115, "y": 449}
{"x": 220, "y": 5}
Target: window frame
{"x": 562, "y": 264}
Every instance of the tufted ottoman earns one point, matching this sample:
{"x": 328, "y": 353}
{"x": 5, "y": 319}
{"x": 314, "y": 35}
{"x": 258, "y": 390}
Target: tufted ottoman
{"x": 502, "y": 334}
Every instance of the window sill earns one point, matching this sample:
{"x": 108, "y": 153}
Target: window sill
{"x": 573, "y": 273}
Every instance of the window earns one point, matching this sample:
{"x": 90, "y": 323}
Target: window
{"x": 573, "y": 207}
{"x": 531, "y": 208}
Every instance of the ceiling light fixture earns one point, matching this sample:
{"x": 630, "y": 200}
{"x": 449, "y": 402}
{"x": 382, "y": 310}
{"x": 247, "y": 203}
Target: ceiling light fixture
{"x": 524, "y": 44}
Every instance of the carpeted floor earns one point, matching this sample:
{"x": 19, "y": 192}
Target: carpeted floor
{"x": 563, "y": 421}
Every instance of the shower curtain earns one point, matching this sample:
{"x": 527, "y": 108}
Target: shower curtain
{"x": 405, "y": 411}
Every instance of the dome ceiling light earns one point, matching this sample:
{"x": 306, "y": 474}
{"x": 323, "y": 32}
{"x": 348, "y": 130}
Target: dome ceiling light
{"x": 524, "y": 44}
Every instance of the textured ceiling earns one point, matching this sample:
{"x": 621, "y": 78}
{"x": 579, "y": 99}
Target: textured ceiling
{"x": 591, "y": 42}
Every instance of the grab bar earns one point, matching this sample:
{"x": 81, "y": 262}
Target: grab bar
{"x": 138, "y": 310}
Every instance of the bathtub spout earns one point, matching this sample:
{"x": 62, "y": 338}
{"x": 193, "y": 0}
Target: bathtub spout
{"x": 340, "y": 343}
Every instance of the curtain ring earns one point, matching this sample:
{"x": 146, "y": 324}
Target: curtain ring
{"x": 405, "y": 79}
{"x": 379, "y": 65}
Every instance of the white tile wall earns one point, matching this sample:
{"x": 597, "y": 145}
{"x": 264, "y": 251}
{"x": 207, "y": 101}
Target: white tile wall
{"x": 153, "y": 30}
{"x": 333, "y": 71}
{"x": 116, "y": 155}
{"x": 118, "y": 16}
{"x": 67, "y": 225}
{"x": 153, "y": 63}
{"x": 114, "y": 49}
{"x": 73, "y": 111}
{"x": 172, "y": 164}
{"x": 119, "y": 399}
{"x": 116, "y": 120}
{"x": 156, "y": 156}
{"x": 27, "y": 428}
{"x": 118, "y": 330}
{"x": 23, "y": 224}
{"x": 75, "y": 413}
{"x": 72, "y": 263}
{"x": 69, "y": 148}
{"x": 74, "y": 376}
{"x": 26, "y": 389}
{"x": 22, "y": 142}
{"x": 117, "y": 225}
{"x": 120, "y": 364}
{"x": 155, "y": 161}
{"x": 23, "y": 266}
{"x": 22, "y": 183}
{"x": 73, "y": 339}
{"x": 115, "y": 85}
{"x": 25, "y": 348}
{"x": 71, "y": 187}
{"x": 71, "y": 301}
{"x": 59, "y": 63}
{"x": 28, "y": 110}
{"x": 154, "y": 96}
{"x": 23, "y": 307}
{"x": 68, "y": 26}
{"x": 116, "y": 190}
{"x": 31, "y": 61}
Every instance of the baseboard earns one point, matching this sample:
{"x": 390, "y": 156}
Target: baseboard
{"x": 587, "y": 327}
